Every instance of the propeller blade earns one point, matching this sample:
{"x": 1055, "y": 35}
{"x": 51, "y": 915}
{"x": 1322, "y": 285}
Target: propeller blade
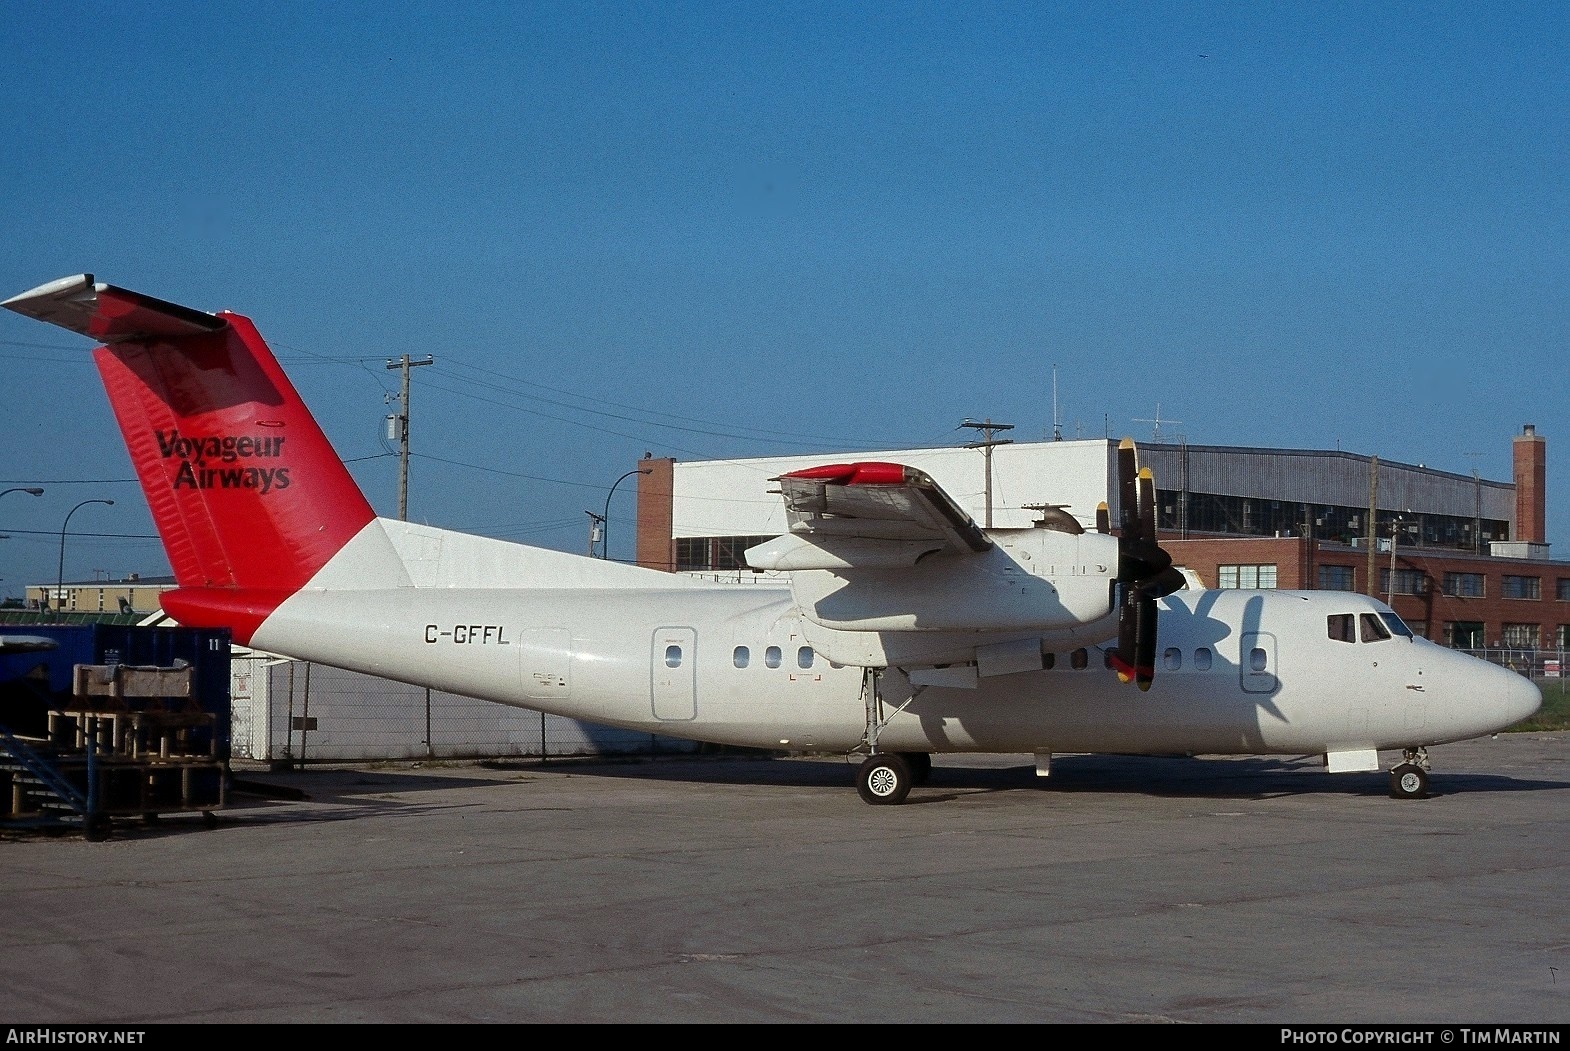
{"x": 1103, "y": 518}
{"x": 1128, "y": 492}
{"x": 1147, "y": 509}
{"x": 1125, "y": 658}
{"x": 1145, "y": 572}
{"x": 1145, "y": 641}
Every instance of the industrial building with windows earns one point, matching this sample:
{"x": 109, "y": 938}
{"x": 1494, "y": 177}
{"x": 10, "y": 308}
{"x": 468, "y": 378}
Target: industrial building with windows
{"x": 1464, "y": 560}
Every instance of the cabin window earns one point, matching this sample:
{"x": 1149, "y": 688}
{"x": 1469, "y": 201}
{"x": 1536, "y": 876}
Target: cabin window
{"x": 1396, "y": 625}
{"x": 1374, "y": 629}
{"x": 1107, "y": 658}
{"x": 771, "y": 656}
{"x": 1202, "y": 659}
{"x": 673, "y": 656}
{"x": 741, "y": 657}
{"x": 1340, "y": 627}
{"x": 804, "y": 657}
{"x": 1256, "y": 659}
{"x": 1173, "y": 658}
{"x": 1048, "y": 661}
{"x": 1079, "y": 659}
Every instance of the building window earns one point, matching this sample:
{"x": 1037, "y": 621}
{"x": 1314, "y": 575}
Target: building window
{"x": 1249, "y": 578}
{"x": 1464, "y": 585}
{"x": 699, "y": 553}
{"x": 1407, "y": 581}
{"x": 1520, "y": 636}
{"x": 1562, "y": 589}
{"x": 1336, "y": 578}
{"x": 1464, "y": 634}
{"x": 1562, "y": 637}
{"x": 1521, "y": 587}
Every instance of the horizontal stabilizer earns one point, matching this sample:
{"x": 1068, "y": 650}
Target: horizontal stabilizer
{"x": 109, "y": 314}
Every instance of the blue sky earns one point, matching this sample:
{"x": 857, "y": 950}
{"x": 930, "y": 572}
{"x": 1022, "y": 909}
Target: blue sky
{"x": 712, "y": 230}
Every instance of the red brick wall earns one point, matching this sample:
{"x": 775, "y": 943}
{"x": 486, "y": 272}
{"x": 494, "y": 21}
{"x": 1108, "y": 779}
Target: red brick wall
{"x": 1530, "y": 453}
{"x": 656, "y": 517}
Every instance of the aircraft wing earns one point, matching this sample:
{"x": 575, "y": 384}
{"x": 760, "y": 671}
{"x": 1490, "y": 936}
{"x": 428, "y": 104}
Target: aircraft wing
{"x": 874, "y": 507}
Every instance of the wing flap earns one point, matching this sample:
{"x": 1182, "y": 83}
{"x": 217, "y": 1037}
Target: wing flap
{"x": 877, "y": 501}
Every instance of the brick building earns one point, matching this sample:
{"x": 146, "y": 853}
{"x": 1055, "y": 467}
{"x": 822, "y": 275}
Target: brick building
{"x": 1463, "y": 560}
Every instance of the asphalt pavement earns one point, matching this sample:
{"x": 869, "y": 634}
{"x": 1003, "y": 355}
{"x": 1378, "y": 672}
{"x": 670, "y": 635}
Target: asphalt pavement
{"x": 737, "y": 889}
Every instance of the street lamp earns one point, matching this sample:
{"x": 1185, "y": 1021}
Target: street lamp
{"x": 605, "y": 523}
{"x": 1390, "y": 588}
{"x": 60, "y": 576}
{"x": 35, "y": 490}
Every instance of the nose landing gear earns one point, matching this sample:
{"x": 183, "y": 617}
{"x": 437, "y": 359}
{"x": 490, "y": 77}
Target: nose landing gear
{"x": 1409, "y": 778}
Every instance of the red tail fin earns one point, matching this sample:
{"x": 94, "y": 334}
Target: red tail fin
{"x": 244, "y": 487}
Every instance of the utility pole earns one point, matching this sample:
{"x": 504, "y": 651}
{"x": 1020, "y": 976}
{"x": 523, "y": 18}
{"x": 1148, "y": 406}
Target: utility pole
{"x": 1390, "y": 588}
{"x": 398, "y": 430}
{"x": 1477, "y": 505}
{"x": 595, "y": 523}
{"x": 986, "y": 427}
{"x": 1370, "y": 584}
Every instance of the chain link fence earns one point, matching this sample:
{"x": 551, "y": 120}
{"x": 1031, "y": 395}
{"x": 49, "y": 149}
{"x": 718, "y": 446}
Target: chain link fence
{"x": 1533, "y": 663}
{"x": 297, "y": 712}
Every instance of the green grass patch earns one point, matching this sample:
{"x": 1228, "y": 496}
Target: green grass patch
{"x": 1555, "y": 712}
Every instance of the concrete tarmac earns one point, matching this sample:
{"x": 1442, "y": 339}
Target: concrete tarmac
{"x": 723, "y": 889}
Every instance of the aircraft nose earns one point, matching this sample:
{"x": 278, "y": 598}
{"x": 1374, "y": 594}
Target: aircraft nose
{"x": 1522, "y": 697}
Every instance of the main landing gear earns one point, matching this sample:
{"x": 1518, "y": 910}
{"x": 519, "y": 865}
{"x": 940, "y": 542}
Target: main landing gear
{"x": 885, "y": 778}
{"x": 1409, "y": 778}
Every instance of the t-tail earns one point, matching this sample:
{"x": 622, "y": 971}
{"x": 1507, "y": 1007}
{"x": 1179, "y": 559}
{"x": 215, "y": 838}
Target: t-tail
{"x": 246, "y": 491}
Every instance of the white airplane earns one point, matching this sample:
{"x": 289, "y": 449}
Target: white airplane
{"x": 903, "y": 628}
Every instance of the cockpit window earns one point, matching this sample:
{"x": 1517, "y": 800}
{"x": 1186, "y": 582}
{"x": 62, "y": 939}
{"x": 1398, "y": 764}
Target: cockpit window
{"x": 1340, "y": 627}
{"x": 1374, "y": 629}
{"x": 1396, "y": 625}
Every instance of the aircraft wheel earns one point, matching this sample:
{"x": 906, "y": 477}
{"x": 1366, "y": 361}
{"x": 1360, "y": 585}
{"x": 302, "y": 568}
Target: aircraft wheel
{"x": 1408, "y": 781}
{"x": 884, "y": 779}
{"x": 920, "y": 764}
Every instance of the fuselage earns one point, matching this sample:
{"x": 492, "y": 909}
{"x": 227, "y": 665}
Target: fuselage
{"x": 1238, "y": 672}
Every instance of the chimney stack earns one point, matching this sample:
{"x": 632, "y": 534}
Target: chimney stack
{"x": 1530, "y": 454}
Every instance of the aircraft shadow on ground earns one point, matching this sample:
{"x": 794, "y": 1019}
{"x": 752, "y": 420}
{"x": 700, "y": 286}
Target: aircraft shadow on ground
{"x": 1164, "y": 776}
{"x": 349, "y": 795}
